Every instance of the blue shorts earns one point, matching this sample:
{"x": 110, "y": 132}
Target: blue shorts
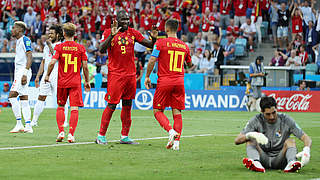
{"x": 282, "y": 31}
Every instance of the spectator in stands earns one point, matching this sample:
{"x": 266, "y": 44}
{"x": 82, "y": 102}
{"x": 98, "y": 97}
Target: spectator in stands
{"x": 12, "y": 17}
{"x": 233, "y": 29}
{"x": 279, "y": 58}
{"x": 140, "y": 50}
{"x": 251, "y": 4}
{"x": 296, "y": 21}
{"x": 104, "y": 73}
{"x": 5, "y": 46}
{"x": 274, "y": 22}
{"x": 318, "y": 22}
{"x": 240, "y": 8}
{"x": 4, "y": 96}
{"x": 256, "y": 18}
{"x": 218, "y": 57}
{"x": 303, "y": 55}
{"x": 199, "y": 42}
{"x": 316, "y": 50}
{"x": 90, "y": 49}
{"x": 139, "y": 72}
{"x": 225, "y": 7}
{"x": 294, "y": 60}
{"x": 229, "y": 49}
{"x": 303, "y": 86}
{"x": 196, "y": 58}
{"x": 37, "y": 28}
{"x": 207, "y": 22}
{"x": 283, "y": 23}
{"x": 50, "y": 20}
{"x": 101, "y": 59}
{"x": 92, "y": 71}
{"x": 206, "y": 64}
{"x": 257, "y": 74}
{"x": 30, "y": 17}
{"x": 249, "y": 30}
{"x": 312, "y": 38}
{"x": 307, "y": 13}
{"x": 64, "y": 17}
{"x": 216, "y": 15}
{"x": 297, "y": 42}
{"x": 193, "y": 23}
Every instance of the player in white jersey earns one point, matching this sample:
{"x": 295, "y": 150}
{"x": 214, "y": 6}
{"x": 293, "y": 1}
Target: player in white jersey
{"x": 55, "y": 37}
{"x": 22, "y": 76}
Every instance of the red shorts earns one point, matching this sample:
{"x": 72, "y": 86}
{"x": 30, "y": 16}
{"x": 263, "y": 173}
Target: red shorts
{"x": 75, "y": 96}
{"x": 120, "y": 87}
{"x": 169, "y": 96}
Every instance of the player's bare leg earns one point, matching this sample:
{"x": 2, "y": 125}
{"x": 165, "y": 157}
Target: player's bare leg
{"x": 38, "y": 108}
{"x": 16, "y": 108}
{"x": 177, "y": 126}
{"x": 105, "y": 120}
{"x": 126, "y": 122}
{"x": 165, "y": 124}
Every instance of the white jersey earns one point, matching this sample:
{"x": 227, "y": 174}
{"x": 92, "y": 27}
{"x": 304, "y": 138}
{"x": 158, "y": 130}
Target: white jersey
{"x": 22, "y": 46}
{"x": 47, "y": 56}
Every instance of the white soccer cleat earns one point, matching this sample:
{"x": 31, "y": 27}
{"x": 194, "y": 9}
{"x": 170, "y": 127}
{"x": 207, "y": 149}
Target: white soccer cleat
{"x": 17, "y": 129}
{"x": 172, "y": 136}
{"x": 253, "y": 165}
{"x": 65, "y": 124}
{"x": 60, "y": 137}
{"x": 28, "y": 128}
{"x": 175, "y": 145}
{"x": 34, "y": 123}
{"x": 292, "y": 166}
{"x": 71, "y": 138}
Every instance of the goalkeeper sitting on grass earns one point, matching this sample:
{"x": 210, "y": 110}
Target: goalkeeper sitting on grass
{"x": 267, "y": 136}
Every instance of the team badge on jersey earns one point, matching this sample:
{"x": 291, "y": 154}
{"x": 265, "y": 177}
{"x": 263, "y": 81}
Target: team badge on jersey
{"x": 278, "y": 134}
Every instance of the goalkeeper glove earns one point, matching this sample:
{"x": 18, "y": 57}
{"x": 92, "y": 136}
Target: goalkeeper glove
{"x": 304, "y": 155}
{"x": 259, "y": 137}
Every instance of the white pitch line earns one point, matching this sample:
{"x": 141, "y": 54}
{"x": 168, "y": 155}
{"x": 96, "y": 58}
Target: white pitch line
{"x": 81, "y": 143}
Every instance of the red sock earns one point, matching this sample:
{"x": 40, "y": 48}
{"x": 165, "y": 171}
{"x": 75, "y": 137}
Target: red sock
{"x": 60, "y": 118}
{"x": 126, "y": 120}
{"x": 177, "y": 125}
{"x": 163, "y": 120}
{"x": 105, "y": 120}
{"x": 74, "y": 117}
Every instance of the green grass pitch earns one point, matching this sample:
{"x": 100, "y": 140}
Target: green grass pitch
{"x": 209, "y": 157}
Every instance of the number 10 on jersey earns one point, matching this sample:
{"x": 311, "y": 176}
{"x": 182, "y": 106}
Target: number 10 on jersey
{"x": 67, "y": 61}
{"x": 174, "y": 59}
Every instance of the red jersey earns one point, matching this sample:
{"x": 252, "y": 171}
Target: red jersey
{"x": 240, "y": 7}
{"x": 207, "y": 4}
{"x": 70, "y": 55}
{"x": 146, "y": 19}
{"x": 171, "y": 53}
{"x": 206, "y": 23}
{"x": 234, "y": 30}
{"x": 296, "y": 24}
{"x": 121, "y": 51}
{"x": 225, "y": 7}
{"x": 192, "y": 27}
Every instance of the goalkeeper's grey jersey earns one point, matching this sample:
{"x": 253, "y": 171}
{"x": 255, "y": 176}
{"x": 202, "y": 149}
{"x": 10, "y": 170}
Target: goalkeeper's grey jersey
{"x": 276, "y": 133}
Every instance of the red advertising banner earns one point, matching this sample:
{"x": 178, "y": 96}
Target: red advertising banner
{"x": 296, "y": 101}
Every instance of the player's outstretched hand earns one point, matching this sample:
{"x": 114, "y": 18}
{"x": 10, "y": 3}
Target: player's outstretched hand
{"x": 154, "y": 32}
{"x": 46, "y": 79}
{"x": 147, "y": 82}
{"x": 24, "y": 80}
{"x": 259, "y": 137}
{"x": 36, "y": 82}
{"x": 304, "y": 155}
{"x": 114, "y": 28}
{"x": 87, "y": 86}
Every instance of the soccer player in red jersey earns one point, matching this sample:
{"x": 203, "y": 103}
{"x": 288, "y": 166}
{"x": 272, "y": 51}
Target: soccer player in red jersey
{"x": 119, "y": 41}
{"x": 171, "y": 53}
{"x": 71, "y": 57}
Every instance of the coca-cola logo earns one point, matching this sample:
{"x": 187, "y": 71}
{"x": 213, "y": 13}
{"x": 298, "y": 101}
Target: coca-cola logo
{"x": 299, "y": 102}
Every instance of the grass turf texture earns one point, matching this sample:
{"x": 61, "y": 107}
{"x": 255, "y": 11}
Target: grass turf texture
{"x": 212, "y": 157}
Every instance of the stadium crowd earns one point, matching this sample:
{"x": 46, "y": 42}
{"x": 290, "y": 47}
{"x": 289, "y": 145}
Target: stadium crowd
{"x": 211, "y": 28}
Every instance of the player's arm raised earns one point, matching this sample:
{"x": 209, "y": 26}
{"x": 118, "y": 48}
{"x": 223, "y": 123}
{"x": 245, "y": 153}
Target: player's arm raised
{"x": 149, "y": 43}
{"x": 107, "y": 43}
{"x": 86, "y": 75}
{"x": 28, "y": 66}
{"x": 151, "y": 63}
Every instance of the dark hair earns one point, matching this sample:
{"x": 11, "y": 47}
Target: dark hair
{"x": 267, "y": 102}
{"x": 121, "y": 13}
{"x": 58, "y": 30}
{"x": 172, "y": 24}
